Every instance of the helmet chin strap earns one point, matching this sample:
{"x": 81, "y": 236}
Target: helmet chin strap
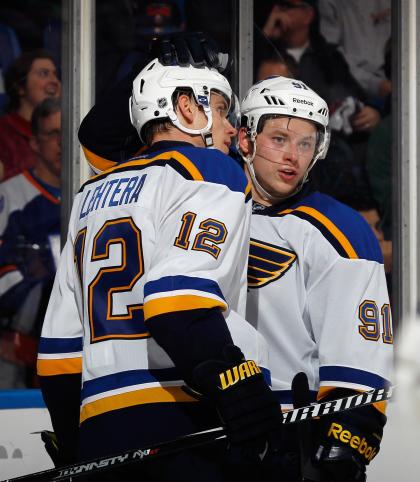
{"x": 205, "y": 132}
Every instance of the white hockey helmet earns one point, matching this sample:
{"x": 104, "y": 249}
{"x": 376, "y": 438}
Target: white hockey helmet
{"x": 289, "y": 97}
{"x": 153, "y": 90}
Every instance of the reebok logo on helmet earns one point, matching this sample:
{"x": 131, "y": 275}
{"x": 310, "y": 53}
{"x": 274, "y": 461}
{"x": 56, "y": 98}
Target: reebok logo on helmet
{"x": 302, "y": 101}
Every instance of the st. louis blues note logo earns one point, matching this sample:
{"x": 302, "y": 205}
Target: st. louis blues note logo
{"x": 267, "y": 263}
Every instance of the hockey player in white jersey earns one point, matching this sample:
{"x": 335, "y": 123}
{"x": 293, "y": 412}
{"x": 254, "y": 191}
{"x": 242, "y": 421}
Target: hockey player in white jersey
{"x": 317, "y": 289}
{"x": 154, "y": 265}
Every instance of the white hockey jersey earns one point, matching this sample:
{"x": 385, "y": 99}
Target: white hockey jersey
{"x": 162, "y": 233}
{"x": 317, "y": 293}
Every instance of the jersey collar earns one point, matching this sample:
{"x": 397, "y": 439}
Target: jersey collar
{"x": 284, "y": 204}
{"x": 166, "y": 145}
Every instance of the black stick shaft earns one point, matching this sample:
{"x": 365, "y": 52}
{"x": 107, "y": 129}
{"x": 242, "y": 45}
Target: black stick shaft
{"x": 302, "y": 398}
{"x": 71, "y": 472}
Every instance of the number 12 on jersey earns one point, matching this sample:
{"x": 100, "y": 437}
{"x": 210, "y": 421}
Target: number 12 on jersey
{"x": 113, "y": 279}
{"x": 213, "y": 233}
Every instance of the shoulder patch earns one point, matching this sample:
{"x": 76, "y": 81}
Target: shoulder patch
{"x": 267, "y": 263}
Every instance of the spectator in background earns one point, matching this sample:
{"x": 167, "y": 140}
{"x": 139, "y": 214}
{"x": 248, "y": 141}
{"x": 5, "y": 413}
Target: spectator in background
{"x": 366, "y": 205}
{"x": 371, "y": 214}
{"x": 32, "y": 20}
{"x": 199, "y": 15}
{"x": 293, "y": 25}
{"x": 30, "y": 79}
{"x": 124, "y": 30}
{"x": 379, "y": 170}
{"x": 159, "y": 17}
{"x": 29, "y": 247}
{"x": 276, "y": 63}
{"x": 9, "y": 51}
{"x": 360, "y": 30}
{"x": 378, "y": 159}
{"x": 369, "y": 209}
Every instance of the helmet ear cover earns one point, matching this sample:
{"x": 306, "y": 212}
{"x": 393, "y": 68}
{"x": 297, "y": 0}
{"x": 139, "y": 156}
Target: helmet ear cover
{"x": 155, "y": 126}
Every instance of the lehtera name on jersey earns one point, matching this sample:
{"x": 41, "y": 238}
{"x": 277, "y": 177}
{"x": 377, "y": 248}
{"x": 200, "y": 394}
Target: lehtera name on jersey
{"x": 113, "y": 192}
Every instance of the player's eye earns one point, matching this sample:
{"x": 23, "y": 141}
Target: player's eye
{"x": 222, "y": 111}
{"x": 306, "y": 145}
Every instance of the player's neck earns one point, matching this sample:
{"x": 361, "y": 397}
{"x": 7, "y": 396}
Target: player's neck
{"x": 177, "y": 135}
{"x": 256, "y": 196}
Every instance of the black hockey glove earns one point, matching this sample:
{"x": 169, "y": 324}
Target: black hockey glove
{"x": 348, "y": 441}
{"x": 188, "y": 48}
{"x": 243, "y": 400}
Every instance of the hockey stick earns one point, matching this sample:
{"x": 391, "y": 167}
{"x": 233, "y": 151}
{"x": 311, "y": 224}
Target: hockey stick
{"x": 199, "y": 438}
{"x": 338, "y": 405}
{"x": 124, "y": 458}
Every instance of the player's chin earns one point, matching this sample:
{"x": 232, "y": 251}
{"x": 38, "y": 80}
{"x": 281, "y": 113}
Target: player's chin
{"x": 283, "y": 190}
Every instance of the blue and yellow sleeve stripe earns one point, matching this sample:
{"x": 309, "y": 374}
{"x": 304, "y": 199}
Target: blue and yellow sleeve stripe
{"x": 135, "y": 387}
{"x": 59, "y": 356}
{"x": 130, "y": 388}
{"x": 332, "y": 377}
{"x": 181, "y": 293}
{"x": 133, "y": 398}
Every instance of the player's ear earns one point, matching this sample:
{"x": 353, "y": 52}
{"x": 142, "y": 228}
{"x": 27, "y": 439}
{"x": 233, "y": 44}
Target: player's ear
{"x": 186, "y": 108}
{"x": 244, "y": 142}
